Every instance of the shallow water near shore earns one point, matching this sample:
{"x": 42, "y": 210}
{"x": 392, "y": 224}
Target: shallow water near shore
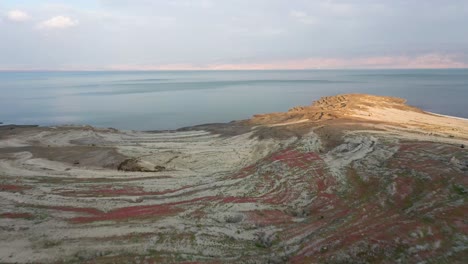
{"x": 173, "y": 99}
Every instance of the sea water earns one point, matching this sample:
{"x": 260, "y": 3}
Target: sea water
{"x": 160, "y": 100}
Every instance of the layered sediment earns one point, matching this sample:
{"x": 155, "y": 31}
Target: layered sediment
{"x": 351, "y": 178}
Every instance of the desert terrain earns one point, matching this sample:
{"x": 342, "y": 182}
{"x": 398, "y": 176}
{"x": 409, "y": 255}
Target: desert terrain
{"x": 349, "y": 179}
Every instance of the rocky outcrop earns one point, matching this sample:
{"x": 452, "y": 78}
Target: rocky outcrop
{"x": 138, "y": 165}
{"x": 333, "y": 107}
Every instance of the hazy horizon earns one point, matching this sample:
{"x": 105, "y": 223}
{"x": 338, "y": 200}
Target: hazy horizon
{"x": 145, "y": 35}
{"x": 228, "y": 70}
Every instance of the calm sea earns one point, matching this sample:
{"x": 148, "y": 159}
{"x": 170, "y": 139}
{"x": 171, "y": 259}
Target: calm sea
{"x": 173, "y": 99}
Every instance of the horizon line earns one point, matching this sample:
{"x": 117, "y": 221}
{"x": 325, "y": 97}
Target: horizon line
{"x": 194, "y": 70}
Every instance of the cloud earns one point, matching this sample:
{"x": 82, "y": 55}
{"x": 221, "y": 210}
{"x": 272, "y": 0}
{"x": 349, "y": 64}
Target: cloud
{"x": 242, "y": 33}
{"x": 18, "y": 16}
{"x": 59, "y": 22}
{"x": 302, "y": 17}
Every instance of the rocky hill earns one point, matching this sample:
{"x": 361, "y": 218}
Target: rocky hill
{"x": 349, "y": 179}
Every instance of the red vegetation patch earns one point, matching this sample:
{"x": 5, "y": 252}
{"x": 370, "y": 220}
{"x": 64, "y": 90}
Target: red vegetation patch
{"x": 323, "y": 184}
{"x": 456, "y": 216}
{"x": 295, "y": 158}
{"x": 74, "y": 209}
{"x": 232, "y": 199}
{"x": 281, "y": 196}
{"x": 244, "y": 172}
{"x": 198, "y": 214}
{"x": 423, "y": 184}
{"x": 403, "y": 186}
{"x": 132, "y": 212}
{"x": 13, "y": 188}
{"x": 319, "y": 220}
{"x": 412, "y": 146}
{"x": 424, "y": 157}
{"x": 128, "y": 213}
{"x": 110, "y": 190}
{"x": 113, "y": 190}
{"x": 16, "y": 215}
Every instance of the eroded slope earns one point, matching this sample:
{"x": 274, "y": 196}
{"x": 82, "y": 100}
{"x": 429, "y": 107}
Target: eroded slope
{"x": 352, "y": 178}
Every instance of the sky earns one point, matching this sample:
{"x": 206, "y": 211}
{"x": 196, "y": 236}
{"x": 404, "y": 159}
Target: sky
{"x": 232, "y": 34}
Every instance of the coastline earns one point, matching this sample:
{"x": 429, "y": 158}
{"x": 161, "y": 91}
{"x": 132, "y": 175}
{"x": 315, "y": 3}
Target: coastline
{"x": 193, "y": 127}
{"x": 449, "y": 116}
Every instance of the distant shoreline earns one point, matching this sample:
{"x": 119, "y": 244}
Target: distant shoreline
{"x": 217, "y": 70}
{"x": 449, "y": 116}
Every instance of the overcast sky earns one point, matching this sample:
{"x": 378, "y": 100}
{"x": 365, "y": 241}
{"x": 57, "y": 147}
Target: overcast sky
{"x": 232, "y": 34}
